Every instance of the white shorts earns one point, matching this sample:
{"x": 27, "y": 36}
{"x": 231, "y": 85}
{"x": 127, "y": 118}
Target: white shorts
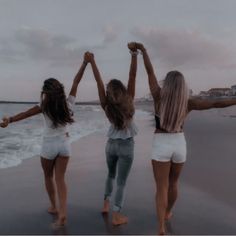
{"x": 55, "y": 146}
{"x": 169, "y": 147}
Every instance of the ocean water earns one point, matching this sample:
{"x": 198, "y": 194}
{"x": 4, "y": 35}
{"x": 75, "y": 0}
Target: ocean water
{"x": 22, "y": 140}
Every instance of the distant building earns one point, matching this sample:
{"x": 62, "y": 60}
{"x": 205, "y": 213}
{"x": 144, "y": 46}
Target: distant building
{"x": 218, "y": 92}
{"x": 204, "y": 94}
{"x": 233, "y": 90}
{"x": 145, "y": 98}
{"x": 190, "y": 92}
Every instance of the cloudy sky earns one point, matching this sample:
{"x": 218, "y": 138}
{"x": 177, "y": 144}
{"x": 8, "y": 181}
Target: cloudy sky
{"x": 47, "y": 38}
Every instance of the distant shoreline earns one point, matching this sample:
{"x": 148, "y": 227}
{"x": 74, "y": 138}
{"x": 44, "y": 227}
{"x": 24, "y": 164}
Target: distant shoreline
{"x": 98, "y": 103}
{"x": 77, "y": 103}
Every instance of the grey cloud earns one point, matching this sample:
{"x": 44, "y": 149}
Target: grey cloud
{"x": 42, "y": 45}
{"x": 110, "y": 34}
{"x": 185, "y": 48}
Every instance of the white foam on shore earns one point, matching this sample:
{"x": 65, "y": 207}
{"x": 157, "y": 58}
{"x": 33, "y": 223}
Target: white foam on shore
{"x": 23, "y": 141}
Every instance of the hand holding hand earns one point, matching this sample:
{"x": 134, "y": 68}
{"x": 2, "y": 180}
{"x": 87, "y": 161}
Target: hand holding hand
{"x": 88, "y": 57}
{"x": 132, "y": 46}
{"x": 140, "y": 46}
{"x": 5, "y": 122}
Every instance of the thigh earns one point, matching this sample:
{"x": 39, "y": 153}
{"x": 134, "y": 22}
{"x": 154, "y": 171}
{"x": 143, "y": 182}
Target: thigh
{"x": 161, "y": 171}
{"x": 111, "y": 157}
{"x": 61, "y": 165}
{"x": 175, "y": 171}
{"x": 48, "y": 166}
{"x": 126, "y": 156}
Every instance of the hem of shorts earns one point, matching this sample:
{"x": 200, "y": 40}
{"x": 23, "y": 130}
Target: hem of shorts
{"x": 53, "y": 157}
{"x": 46, "y": 157}
{"x": 179, "y": 162}
{"x": 166, "y": 133}
{"x": 154, "y": 159}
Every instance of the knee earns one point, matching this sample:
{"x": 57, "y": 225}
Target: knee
{"x": 173, "y": 184}
{"x": 120, "y": 182}
{"x": 59, "y": 178}
{"x": 111, "y": 175}
{"x": 48, "y": 176}
{"x": 161, "y": 199}
{"x": 162, "y": 187}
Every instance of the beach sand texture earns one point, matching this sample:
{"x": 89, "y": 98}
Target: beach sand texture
{"x": 207, "y": 198}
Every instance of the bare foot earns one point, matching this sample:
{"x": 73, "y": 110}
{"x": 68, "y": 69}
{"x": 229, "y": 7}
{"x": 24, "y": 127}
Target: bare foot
{"x": 61, "y": 221}
{"x": 52, "y": 210}
{"x": 168, "y": 215}
{"x": 106, "y": 206}
{"x": 162, "y": 233}
{"x": 119, "y": 219}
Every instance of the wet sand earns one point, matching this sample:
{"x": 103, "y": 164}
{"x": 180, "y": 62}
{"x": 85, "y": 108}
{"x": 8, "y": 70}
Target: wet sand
{"x": 206, "y": 204}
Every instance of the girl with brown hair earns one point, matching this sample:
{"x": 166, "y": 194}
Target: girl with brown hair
{"x": 57, "y": 111}
{"x": 117, "y": 102}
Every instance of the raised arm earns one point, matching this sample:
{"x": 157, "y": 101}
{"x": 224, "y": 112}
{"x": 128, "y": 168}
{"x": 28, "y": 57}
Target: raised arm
{"x": 133, "y": 69}
{"x": 152, "y": 80}
{"x": 101, "y": 90}
{"x": 21, "y": 116}
{"x": 205, "y": 104}
{"x": 78, "y": 78}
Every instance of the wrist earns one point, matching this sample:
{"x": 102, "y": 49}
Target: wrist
{"x": 142, "y": 49}
{"x": 85, "y": 63}
{"x": 92, "y": 61}
{"x": 133, "y": 53}
{"x": 10, "y": 120}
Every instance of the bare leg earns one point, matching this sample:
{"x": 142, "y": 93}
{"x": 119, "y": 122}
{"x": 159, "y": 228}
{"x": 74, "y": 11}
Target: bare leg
{"x": 161, "y": 173}
{"x": 48, "y": 167}
{"x": 106, "y": 206}
{"x": 60, "y": 169}
{"x": 175, "y": 171}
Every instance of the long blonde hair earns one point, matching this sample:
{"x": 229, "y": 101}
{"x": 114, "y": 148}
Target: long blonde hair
{"x": 173, "y": 102}
{"x": 120, "y": 107}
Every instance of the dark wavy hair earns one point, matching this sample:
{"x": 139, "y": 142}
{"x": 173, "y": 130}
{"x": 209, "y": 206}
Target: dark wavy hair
{"x": 119, "y": 104}
{"x": 54, "y": 103}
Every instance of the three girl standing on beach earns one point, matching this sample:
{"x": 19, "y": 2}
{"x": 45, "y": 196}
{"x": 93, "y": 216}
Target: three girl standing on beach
{"x": 171, "y": 104}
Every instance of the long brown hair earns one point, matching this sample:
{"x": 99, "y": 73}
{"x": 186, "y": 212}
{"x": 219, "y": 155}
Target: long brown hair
{"x": 173, "y": 102}
{"x": 54, "y": 103}
{"x": 119, "y": 104}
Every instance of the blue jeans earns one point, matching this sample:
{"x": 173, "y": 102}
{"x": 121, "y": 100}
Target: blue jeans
{"x": 119, "y": 154}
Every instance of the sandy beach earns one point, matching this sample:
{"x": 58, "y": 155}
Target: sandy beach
{"x": 206, "y": 203}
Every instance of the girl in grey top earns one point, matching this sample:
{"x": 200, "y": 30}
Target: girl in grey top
{"x": 117, "y": 103}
